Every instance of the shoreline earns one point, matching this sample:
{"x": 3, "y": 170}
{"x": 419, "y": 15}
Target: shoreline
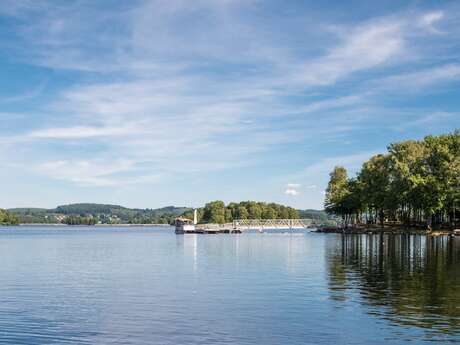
{"x": 389, "y": 230}
{"x": 95, "y": 225}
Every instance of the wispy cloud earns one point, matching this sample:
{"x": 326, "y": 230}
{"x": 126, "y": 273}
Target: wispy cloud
{"x": 94, "y": 174}
{"x": 428, "y": 20}
{"x": 415, "y": 81}
{"x": 363, "y": 48}
{"x": 78, "y": 132}
{"x": 156, "y": 89}
{"x": 351, "y": 162}
{"x": 29, "y": 94}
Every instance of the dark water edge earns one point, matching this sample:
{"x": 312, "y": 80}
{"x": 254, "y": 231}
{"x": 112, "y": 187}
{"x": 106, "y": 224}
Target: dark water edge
{"x": 118, "y": 285}
{"x": 392, "y": 230}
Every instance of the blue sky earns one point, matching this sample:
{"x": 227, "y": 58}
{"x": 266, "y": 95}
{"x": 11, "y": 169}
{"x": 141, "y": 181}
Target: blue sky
{"x": 154, "y": 103}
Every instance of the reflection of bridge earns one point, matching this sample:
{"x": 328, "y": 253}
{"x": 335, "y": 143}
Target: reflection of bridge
{"x": 248, "y": 224}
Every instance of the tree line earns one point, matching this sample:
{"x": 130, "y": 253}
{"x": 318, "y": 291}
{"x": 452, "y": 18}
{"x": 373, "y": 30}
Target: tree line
{"x": 416, "y": 183}
{"x": 102, "y": 213}
{"x": 6, "y": 218}
{"x": 218, "y": 212}
{"x": 79, "y": 220}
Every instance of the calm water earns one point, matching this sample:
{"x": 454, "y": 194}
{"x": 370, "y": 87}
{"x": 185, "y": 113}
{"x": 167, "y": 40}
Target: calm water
{"x": 149, "y": 286}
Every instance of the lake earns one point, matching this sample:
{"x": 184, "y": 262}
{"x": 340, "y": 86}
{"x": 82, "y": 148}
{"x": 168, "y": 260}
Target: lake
{"x": 62, "y": 285}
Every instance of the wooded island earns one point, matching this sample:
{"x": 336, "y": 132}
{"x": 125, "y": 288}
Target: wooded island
{"x": 415, "y": 184}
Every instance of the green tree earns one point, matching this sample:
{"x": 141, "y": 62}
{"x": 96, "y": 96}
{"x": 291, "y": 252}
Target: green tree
{"x": 214, "y": 212}
{"x": 242, "y": 213}
{"x": 254, "y": 209}
{"x": 336, "y": 192}
{"x": 7, "y": 218}
{"x": 374, "y": 179}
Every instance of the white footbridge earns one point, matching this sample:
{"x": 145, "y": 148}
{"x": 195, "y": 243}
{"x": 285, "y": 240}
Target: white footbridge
{"x": 261, "y": 224}
{"x": 242, "y": 225}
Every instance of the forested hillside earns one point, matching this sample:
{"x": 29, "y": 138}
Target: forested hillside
{"x": 76, "y": 214}
{"x": 213, "y": 212}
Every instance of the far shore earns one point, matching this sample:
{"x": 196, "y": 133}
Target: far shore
{"x": 96, "y": 225}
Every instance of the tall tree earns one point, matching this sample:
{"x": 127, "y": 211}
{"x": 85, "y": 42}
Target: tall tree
{"x": 336, "y": 192}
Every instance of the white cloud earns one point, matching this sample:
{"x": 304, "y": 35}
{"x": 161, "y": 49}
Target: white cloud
{"x": 312, "y": 186}
{"x": 293, "y": 189}
{"x": 292, "y": 192}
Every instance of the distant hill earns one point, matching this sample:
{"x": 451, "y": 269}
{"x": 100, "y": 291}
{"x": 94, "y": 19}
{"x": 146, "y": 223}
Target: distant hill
{"x": 313, "y": 214}
{"x": 100, "y": 213}
{"x": 86, "y": 209}
{"x": 116, "y": 214}
{"x": 318, "y": 215}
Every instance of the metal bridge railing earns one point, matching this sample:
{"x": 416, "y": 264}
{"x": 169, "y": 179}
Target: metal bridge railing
{"x": 272, "y": 223}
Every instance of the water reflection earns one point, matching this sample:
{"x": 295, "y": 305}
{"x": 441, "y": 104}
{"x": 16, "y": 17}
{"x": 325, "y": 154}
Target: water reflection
{"x": 411, "y": 280}
{"x": 189, "y": 245}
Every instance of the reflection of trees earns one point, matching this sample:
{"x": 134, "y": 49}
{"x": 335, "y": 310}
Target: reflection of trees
{"x": 408, "y": 279}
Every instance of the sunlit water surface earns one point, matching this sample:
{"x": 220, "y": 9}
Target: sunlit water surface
{"x": 150, "y": 286}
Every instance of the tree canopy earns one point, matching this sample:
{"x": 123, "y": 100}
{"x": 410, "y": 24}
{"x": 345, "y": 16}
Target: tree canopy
{"x": 6, "y": 218}
{"x": 79, "y": 220}
{"x": 218, "y": 212}
{"x": 414, "y": 183}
